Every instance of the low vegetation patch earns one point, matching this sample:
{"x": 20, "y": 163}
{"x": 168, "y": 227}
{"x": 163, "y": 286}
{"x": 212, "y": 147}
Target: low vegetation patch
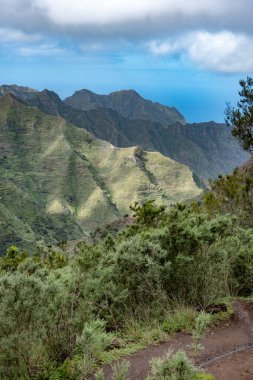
{"x": 64, "y": 314}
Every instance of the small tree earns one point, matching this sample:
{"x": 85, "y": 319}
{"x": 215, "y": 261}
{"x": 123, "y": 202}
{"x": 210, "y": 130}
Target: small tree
{"x": 12, "y": 258}
{"x": 241, "y": 117}
{"x": 148, "y": 213}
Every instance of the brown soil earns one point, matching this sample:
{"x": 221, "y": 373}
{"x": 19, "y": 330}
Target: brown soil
{"x": 219, "y": 356}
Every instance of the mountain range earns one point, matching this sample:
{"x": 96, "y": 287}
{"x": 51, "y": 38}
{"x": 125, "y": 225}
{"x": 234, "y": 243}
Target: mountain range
{"x": 125, "y": 119}
{"x": 70, "y": 166}
{"x": 59, "y": 183}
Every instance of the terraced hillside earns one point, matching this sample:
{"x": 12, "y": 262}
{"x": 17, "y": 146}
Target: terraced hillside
{"x": 58, "y": 182}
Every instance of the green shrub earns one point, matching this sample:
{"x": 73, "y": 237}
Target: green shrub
{"x": 203, "y": 320}
{"x": 94, "y": 339}
{"x": 172, "y": 367}
{"x": 59, "y": 313}
{"x": 175, "y": 367}
{"x": 120, "y": 370}
{"x": 12, "y": 258}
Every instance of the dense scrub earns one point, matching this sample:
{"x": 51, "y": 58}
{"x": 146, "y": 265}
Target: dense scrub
{"x": 61, "y": 312}
{"x": 233, "y": 194}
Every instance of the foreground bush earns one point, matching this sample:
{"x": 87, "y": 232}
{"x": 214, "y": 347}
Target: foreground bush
{"x": 59, "y": 312}
{"x": 175, "y": 367}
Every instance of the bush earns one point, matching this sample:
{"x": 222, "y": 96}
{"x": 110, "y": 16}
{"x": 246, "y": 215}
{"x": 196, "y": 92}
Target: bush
{"x": 92, "y": 341}
{"x": 175, "y": 367}
{"x": 57, "y": 311}
{"x": 172, "y": 367}
{"x": 203, "y": 320}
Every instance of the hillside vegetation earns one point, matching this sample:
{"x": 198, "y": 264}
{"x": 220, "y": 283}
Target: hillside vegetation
{"x": 58, "y": 182}
{"x": 65, "y": 314}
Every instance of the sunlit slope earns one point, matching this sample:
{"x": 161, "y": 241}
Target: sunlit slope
{"x": 58, "y": 182}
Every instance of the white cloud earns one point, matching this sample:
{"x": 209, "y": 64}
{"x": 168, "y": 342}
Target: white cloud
{"x": 8, "y": 35}
{"x": 194, "y": 27}
{"x": 166, "y": 47}
{"x": 117, "y": 11}
{"x": 125, "y": 18}
{"x": 225, "y": 51}
{"x": 42, "y": 50}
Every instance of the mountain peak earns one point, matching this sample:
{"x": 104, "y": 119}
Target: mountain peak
{"x": 85, "y": 91}
{"x": 50, "y": 94}
{"x": 130, "y": 92}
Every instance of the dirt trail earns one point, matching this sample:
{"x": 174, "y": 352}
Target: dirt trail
{"x": 236, "y": 365}
{"x": 219, "y": 356}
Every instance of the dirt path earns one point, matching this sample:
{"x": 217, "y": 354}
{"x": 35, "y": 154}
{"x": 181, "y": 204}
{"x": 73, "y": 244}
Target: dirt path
{"x": 219, "y": 356}
{"x": 236, "y": 365}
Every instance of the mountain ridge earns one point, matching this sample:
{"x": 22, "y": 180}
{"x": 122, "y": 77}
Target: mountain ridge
{"x": 59, "y": 183}
{"x": 128, "y": 103}
{"x": 208, "y": 149}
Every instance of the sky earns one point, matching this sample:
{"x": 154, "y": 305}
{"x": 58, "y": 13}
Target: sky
{"x": 189, "y": 54}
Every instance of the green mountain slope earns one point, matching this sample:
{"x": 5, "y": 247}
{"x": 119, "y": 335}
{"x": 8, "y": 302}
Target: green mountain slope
{"x": 58, "y": 182}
